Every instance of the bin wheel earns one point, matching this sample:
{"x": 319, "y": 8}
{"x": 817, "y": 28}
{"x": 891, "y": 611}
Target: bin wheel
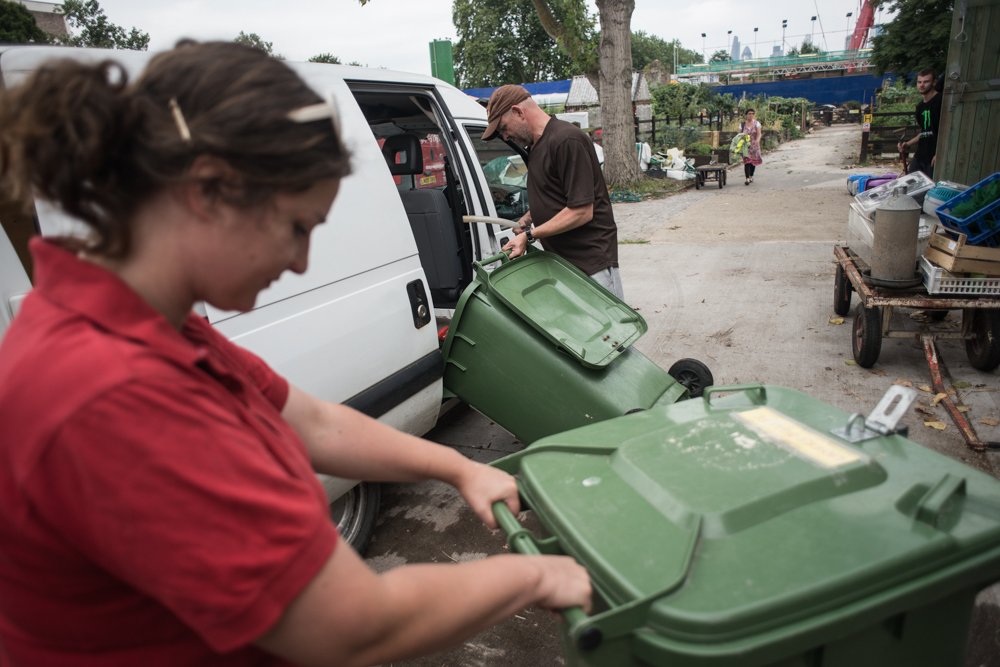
{"x": 355, "y": 512}
{"x": 841, "y": 292}
{"x": 983, "y": 348}
{"x": 866, "y": 343}
{"x": 693, "y": 375}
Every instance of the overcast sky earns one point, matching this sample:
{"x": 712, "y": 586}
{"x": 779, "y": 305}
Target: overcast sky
{"x": 395, "y": 33}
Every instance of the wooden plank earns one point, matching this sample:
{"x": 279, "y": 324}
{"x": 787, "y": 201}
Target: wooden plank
{"x": 962, "y": 265}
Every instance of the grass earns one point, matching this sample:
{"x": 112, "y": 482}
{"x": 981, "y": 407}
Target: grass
{"x": 633, "y": 241}
{"x": 653, "y": 188}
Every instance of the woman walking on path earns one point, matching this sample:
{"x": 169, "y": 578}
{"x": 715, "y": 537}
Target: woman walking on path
{"x": 751, "y": 159}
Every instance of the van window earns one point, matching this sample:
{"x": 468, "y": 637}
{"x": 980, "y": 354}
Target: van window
{"x": 506, "y": 174}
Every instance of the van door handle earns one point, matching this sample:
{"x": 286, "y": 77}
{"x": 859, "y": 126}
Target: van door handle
{"x": 420, "y": 307}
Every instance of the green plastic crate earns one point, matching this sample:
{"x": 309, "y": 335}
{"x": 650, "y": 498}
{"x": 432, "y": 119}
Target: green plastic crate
{"x": 738, "y": 531}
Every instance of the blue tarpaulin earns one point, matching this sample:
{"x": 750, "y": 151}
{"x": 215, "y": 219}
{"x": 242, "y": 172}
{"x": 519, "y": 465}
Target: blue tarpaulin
{"x": 540, "y": 88}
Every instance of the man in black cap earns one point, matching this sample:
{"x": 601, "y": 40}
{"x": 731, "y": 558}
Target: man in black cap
{"x": 569, "y": 207}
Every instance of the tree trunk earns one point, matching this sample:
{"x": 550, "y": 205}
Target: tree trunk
{"x": 621, "y": 166}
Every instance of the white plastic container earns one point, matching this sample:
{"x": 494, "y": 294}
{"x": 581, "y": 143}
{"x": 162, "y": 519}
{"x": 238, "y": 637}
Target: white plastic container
{"x": 915, "y": 184}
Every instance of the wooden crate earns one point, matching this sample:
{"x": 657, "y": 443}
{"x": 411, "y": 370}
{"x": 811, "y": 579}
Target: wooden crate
{"x": 950, "y": 250}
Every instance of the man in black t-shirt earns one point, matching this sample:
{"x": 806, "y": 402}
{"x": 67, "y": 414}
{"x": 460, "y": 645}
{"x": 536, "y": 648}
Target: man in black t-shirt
{"x": 569, "y": 206}
{"x": 928, "y": 117}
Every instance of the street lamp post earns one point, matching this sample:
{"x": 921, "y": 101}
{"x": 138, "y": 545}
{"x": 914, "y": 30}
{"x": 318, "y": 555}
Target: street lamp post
{"x": 847, "y": 40}
{"x": 729, "y": 43}
{"x": 703, "y": 55}
{"x": 784, "y": 24}
{"x": 812, "y": 32}
{"x": 755, "y": 42}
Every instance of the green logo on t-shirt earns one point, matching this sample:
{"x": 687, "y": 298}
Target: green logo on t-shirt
{"x": 927, "y": 119}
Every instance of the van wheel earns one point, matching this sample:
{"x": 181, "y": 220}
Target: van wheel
{"x": 355, "y": 512}
{"x": 693, "y": 375}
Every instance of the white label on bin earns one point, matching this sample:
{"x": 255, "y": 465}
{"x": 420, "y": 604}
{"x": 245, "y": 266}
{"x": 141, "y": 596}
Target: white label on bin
{"x": 793, "y": 436}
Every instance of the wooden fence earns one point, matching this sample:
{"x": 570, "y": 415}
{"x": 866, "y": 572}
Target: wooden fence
{"x": 880, "y": 140}
{"x": 649, "y": 130}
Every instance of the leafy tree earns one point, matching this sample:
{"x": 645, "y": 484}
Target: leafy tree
{"x": 808, "y": 47}
{"x": 91, "y": 26}
{"x": 255, "y": 41}
{"x": 719, "y": 56}
{"x": 647, "y": 48}
{"x": 678, "y": 100}
{"x": 502, "y": 41}
{"x": 327, "y": 58}
{"x": 17, "y": 25}
{"x": 614, "y": 76}
{"x": 916, "y": 38}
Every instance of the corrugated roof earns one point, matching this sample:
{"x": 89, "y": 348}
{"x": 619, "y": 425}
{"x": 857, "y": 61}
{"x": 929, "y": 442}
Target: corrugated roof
{"x": 582, "y": 94}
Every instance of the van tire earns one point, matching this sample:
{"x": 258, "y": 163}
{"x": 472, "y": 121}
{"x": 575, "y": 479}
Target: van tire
{"x": 354, "y": 514}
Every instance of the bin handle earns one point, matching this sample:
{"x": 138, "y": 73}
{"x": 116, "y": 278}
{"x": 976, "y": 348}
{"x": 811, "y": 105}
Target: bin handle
{"x": 587, "y": 637}
{"x": 757, "y": 393}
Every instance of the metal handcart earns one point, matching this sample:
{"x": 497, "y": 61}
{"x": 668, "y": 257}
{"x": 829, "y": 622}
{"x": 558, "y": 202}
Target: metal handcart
{"x": 980, "y": 327}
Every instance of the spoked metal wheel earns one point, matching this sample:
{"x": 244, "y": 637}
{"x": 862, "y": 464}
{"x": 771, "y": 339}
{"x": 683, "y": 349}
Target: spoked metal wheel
{"x": 983, "y": 347}
{"x": 693, "y": 374}
{"x": 866, "y": 343}
{"x": 354, "y": 513}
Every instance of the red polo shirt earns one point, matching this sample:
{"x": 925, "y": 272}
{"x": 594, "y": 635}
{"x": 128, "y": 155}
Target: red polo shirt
{"x": 157, "y": 510}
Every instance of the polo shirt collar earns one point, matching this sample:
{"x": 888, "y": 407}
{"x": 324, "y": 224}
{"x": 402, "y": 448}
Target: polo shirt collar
{"x": 99, "y": 295}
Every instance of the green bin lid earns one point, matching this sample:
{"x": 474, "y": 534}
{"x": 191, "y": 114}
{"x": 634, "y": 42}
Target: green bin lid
{"x": 742, "y": 519}
{"x": 566, "y": 307}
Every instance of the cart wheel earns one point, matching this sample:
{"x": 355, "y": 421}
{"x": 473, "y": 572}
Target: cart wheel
{"x": 697, "y": 182}
{"x": 725, "y": 178}
{"x": 984, "y": 346}
{"x": 867, "y": 340}
{"x": 693, "y": 375}
{"x": 841, "y": 292}
{"x": 721, "y": 179}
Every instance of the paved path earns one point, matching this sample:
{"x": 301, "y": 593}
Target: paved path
{"x": 741, "y": 278}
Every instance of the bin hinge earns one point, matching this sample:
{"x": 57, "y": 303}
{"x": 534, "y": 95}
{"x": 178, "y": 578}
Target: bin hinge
{"x": 882, "y": 420}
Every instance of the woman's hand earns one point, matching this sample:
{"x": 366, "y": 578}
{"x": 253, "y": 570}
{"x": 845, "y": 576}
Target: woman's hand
{"x": 482, "y": 485}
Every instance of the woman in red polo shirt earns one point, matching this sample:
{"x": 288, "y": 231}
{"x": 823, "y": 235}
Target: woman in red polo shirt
{"x": 157, "y": 482}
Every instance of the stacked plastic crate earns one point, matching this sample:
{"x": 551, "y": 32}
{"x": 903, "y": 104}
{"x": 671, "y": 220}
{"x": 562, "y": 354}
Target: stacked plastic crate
{"x": 963, "y": 255}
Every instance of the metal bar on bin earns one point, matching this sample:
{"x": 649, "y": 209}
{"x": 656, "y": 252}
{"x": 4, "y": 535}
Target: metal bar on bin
{"x": 521, "y": 540}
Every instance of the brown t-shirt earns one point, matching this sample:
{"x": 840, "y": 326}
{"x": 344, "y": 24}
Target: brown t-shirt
{"x": 563, "y": 171}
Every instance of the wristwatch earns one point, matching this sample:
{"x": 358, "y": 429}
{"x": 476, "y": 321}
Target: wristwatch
{"x": 528, "y": 233}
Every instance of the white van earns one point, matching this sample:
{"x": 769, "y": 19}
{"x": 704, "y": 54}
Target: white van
{"x": 360, "y": 326}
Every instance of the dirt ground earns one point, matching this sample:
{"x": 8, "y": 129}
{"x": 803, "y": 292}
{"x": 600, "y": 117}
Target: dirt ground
{"x": 742, "y": 279}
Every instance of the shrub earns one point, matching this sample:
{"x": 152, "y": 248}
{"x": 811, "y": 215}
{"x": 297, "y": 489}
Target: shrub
{"x": 698, "y": 149}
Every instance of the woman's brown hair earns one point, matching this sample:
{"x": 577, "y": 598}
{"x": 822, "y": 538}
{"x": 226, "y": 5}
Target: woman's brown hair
{"x": 83, "y": 137}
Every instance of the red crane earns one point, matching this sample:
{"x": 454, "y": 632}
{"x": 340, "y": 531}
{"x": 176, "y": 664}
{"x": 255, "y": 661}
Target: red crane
{"x": 866, "y": 17}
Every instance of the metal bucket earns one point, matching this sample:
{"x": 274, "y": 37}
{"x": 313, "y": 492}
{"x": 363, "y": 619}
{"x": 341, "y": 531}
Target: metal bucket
{"x": 897, "y": 224}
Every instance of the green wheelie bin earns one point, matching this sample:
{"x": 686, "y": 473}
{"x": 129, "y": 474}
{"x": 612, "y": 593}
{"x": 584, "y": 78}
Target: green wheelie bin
{"x": 540, "y": 348}
{"x": 759, "y": 526}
